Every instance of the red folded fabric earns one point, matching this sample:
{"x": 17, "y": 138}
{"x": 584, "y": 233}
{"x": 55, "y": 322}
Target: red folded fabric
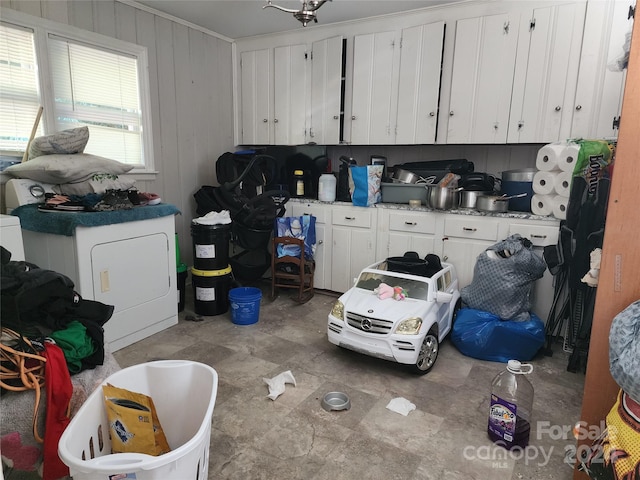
{"x": 59, "y": 390}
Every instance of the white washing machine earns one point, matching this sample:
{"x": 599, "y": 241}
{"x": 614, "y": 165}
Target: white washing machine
{"x": 11, "y": 236}
{"x": 130, "y": 265}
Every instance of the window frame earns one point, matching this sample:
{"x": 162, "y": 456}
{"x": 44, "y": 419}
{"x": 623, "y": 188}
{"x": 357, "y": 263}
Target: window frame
{"x": 42, "y": 28}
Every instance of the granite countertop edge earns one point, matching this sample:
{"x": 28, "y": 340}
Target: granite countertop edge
{"x": 459, "y": 211}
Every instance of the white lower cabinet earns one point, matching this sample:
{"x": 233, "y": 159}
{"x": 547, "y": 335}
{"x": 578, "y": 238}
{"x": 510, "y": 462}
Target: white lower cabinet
{"x": 322, "y": 277}
{"x": 464, "y": 238}
{"x": 353, "y": 232}
{"x": 350, "y": 238}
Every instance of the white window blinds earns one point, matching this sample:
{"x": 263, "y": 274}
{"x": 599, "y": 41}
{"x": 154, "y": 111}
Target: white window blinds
{"x": 98, "y": 88}
{"x": 19, "y": 97}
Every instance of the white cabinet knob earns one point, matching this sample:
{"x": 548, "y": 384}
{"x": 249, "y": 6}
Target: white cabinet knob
{"x": 265, "y": 120}
{"x": 558, "y": 108}
{"x": 353, "y": 117}
{"x": 432, "y": 114}
{"x": 336, "y": 117}
{"x": 275, "y": 120}
{"x": 578, "y": 107}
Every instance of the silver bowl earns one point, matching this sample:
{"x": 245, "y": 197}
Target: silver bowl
{"x": 334, "y": 401}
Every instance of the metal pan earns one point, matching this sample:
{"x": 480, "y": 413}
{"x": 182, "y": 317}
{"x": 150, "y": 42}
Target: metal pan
{"x": 495, "y": 203}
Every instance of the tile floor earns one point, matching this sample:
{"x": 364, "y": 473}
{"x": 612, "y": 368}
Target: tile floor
{"x": 293, "y": 437}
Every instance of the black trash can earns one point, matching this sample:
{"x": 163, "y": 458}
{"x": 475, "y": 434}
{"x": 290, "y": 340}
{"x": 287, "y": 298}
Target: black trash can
{"x": 210, "y": 246}
{"x": 211, "y": 290}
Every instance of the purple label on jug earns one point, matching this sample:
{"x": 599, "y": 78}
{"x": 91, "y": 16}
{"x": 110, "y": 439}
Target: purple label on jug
{"x": 502, "y": 418}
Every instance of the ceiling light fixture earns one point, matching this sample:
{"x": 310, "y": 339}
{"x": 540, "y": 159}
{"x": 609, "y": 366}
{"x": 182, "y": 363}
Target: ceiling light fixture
{"x": 306, "y": 13}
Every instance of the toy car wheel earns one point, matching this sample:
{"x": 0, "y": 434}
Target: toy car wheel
{"x": 428, "y": 353}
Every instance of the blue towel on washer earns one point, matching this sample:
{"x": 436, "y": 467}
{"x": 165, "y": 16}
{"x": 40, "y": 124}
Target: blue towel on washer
{"x": 65, "y": 223}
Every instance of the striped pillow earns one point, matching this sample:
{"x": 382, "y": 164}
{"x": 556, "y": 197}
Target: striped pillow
{"x": 67, "y": 141}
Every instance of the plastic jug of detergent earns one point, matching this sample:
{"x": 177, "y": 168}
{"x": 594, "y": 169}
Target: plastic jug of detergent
{"x": 511, "y": 405}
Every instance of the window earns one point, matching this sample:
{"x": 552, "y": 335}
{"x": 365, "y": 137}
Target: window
{"x": 80, "y": 78}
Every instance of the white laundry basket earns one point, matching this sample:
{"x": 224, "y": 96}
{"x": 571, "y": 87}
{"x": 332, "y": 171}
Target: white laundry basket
{"x": 184, "y": 394}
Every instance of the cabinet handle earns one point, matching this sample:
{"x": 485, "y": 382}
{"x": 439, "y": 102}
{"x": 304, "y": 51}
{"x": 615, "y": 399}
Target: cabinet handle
{"x": 432, "y": 114}
{"x": 349, "y": 218}
{"x": 275, "y": 120}
{"x": 264, "y": 120}
{"x": 578, "y": 107}
{"x": 469, "y": 229}
{"x": 336, "y": 117}
{"x": 410, "y": 223}
{"x": 451, "y": 113}
{"x": 538, "y": 236}
{"x": 353, "y": 117}
{"x": 320, "y": 242}
{"x": 558, "y": 108}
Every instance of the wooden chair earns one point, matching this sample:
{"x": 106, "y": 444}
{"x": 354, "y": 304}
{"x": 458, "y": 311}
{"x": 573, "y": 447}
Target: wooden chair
{"x": 294, "y": 272}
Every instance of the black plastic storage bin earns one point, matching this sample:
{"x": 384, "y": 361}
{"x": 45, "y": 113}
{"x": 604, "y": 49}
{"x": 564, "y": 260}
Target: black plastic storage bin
{"x": 210, "y": 246}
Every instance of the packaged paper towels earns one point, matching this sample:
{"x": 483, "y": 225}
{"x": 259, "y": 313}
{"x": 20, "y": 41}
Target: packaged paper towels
{"x": 549, "y": 155}
{"x": 562, "y": 183}
{"x": 569, "y": 157}
{"x": 560, "y": 207}
{"x": 543, "y": 182}
{"x": 542, "y": 204}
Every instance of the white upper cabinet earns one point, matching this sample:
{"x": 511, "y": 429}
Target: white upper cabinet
{"x": 374, "y": 73}
{"x": 273, "y": 85}
{"x": 290, "y": 95}
{"x": 419, "y": 83}
{"x": 256, "y": 85}
{"x": 546, "y": 74}
{"x": 482, "y": 78}
{"x": 326, "y": 91}
{"x": 598, "y": 100}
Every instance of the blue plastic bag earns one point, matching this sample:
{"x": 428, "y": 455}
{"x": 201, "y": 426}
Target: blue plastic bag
{"x": 483, "y": 335}
{"x": 366, "y": 185}
{"x": 303, "y": 227}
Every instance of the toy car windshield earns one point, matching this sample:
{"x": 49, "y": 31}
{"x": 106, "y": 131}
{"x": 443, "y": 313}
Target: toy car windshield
{"x": 413, "y": 288}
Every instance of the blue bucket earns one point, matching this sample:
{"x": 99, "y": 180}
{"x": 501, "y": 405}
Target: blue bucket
{"x": 245, "y": 305}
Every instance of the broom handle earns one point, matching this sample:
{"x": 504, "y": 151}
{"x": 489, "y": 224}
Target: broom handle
{"x": 33, "y": 133}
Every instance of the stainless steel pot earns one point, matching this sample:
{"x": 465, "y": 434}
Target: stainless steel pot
{"x": 495, "y": 203}
{"x": 468, "y": 198}
{"x": 405, "y": 176}
{"x": 443, "y": 198}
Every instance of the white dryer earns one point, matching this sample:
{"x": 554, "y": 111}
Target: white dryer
{"x": 130, "y": 265}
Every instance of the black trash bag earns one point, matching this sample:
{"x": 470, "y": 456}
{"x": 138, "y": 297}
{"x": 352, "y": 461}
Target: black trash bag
{"x": 503, "y": 278}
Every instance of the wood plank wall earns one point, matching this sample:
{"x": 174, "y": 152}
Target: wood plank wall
{"x": 191, "y": 82}
{"x": 618, "y": 285}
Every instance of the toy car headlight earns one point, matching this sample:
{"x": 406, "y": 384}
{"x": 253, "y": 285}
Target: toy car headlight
{"x": 338, "y": 310}
{"x": 410, "y": 326}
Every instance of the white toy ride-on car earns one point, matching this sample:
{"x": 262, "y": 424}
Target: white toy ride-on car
{"x": 407, "y": 327}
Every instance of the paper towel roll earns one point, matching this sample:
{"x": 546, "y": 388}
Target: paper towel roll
{"x": 549, "y": 156}
{"x": 560, "y": 207}
{"x": 562, "y": 183}
{"x": 543, "y": 182}
{"x": 568, "y": 157}
{"x": 542, "y": 204}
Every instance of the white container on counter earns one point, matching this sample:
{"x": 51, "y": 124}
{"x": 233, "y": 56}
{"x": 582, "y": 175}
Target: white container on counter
{"x": 327, "y": 187}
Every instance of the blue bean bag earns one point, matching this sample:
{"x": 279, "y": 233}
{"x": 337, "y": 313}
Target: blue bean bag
{"x": 485, "y": 336}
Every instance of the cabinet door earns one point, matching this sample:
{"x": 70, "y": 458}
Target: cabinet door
{"x": 290, "y": 95}
{"x": 419, "y": 83}
{"x": 546, "y": 74}
{"x": 326, "y": 88}
{"x": 255, "y": 73}
{"x": 462, "y": 254}
{"x": 482, "y": 79}
{"x": 322, "y": 256}
{"x": 352, "y": 250}
{"x": 372, "y": 108}
{"x": 598, "y": 101}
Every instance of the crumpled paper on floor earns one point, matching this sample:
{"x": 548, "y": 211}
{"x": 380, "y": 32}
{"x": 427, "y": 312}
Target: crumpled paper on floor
{"x": 401, "y": 405}
{"x": 214, "y": 218}
{"x": 276, "y": 384}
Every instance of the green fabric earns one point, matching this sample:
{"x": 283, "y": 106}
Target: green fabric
{"x": 75, "y": 343}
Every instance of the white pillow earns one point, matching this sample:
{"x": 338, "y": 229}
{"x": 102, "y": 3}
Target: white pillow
{"x": 66, "y": 168}
{"x": 98, "y": 183}
{"x": 67, "y": 141}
